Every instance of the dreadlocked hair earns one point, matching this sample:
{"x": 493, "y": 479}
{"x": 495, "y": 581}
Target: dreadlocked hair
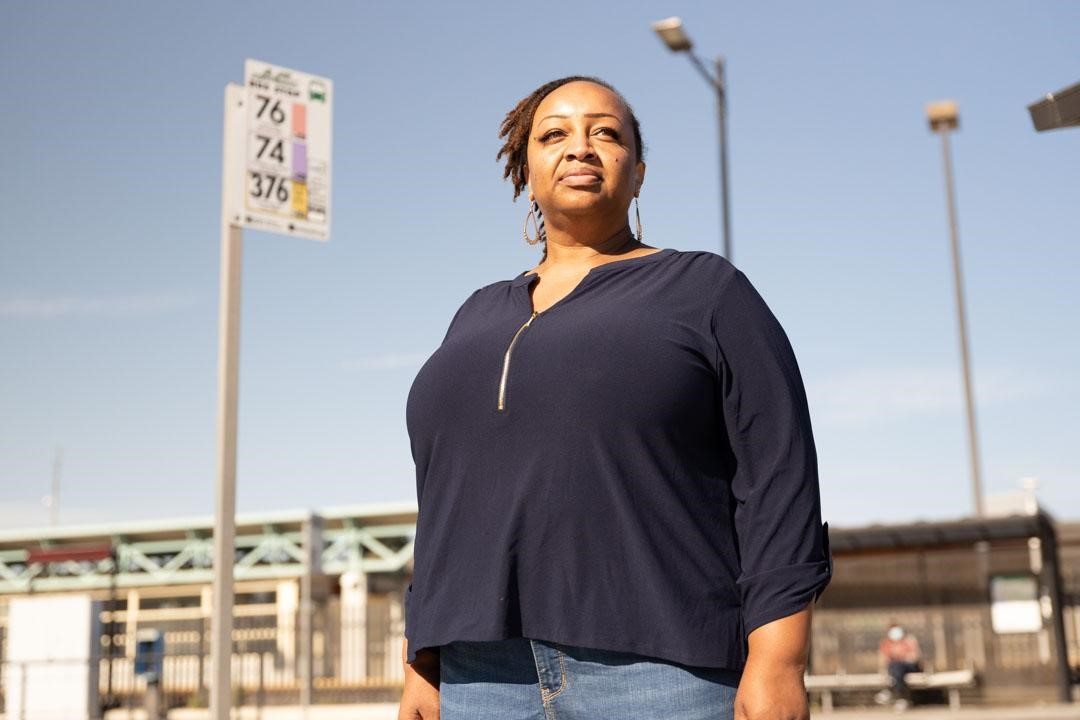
{"x": 518, "y": 122}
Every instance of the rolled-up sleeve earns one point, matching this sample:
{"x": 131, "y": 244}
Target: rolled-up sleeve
{"x": 783, "y": 546}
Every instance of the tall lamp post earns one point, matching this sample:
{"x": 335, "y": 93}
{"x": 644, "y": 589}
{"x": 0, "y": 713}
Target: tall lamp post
{"x": 944, "y": 118}
{"x": 672, "y": 33}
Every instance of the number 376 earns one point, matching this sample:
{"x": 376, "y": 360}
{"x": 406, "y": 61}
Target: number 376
{"x": 269, "y": 187}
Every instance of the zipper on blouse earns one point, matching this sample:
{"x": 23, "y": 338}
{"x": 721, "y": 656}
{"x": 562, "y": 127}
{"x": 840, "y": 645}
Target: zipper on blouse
{"x": 506, "y": 360}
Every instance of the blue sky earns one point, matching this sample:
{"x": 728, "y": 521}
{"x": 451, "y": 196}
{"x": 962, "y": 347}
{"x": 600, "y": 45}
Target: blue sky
{"x": 109, "y": 206}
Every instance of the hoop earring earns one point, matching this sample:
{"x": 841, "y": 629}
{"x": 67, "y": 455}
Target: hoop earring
{"x": 536, "y": 217}
{"x": 637, "y": 217}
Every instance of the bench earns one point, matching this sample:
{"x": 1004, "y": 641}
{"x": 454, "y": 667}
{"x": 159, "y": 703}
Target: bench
{"x": 951, "y": 680}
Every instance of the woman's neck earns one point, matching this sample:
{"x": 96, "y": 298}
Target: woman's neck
{"x": 564, "y": 249}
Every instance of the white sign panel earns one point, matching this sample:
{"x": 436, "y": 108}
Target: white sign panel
{"x": 1014, "y": 604}
{"x": 51, "y": 670}
{"x": 287, "y": 162}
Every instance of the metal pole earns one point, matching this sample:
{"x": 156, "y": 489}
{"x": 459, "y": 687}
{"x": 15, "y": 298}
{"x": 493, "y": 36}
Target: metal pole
{"x": 228, "y": 367}
{"x": 312, "y": 539}
{"x": 54, "y": 499}
{"x": 200, "y": 668}
{"x": 721, "y": 107}
{"x": 110, "y": 696}
{"x": 718, "y": 82}
{"x": 1052, "y": 586}
{"x": 969, "y": 394}
{"x": 260, "y": 698}
{"x": 22, "y": 691}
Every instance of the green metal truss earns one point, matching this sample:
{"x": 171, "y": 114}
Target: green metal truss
{"x": 370, "y": 539}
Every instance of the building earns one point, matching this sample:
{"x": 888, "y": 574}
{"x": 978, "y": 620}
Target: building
{"x": 158, "y": 575}
{"x": 998, "y": 595}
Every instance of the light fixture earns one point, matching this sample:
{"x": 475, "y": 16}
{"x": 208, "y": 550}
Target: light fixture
{"x": 943, "y": 115}
{"x": 671, "y": 32}
{"x": 1057, "y": 110}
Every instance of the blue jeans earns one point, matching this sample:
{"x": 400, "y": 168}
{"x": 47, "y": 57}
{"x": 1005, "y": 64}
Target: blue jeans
{"x": 897, "y": 670}
{"x": 523, "y": 679}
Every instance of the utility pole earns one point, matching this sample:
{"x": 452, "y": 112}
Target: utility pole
{"x": 944, "y": 118}
{"x": 674, "y": 36}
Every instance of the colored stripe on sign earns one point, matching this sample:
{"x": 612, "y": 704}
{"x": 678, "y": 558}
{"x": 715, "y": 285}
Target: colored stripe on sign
{"x": 299, "y": 120}
{"x": 299, "y": 199}
{"x": 299, "y": 161}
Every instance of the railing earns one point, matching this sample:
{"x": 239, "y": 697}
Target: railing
{"x": 70, "y": 689}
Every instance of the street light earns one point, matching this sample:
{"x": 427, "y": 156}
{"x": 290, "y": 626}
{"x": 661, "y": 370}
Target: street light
{"x": 672, "y": 33}
{"x": 1057, "y": 110}
{"x": 944, "y": 117}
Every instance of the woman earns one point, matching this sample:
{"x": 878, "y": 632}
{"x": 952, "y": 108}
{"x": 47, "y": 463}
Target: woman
{"x": 617, "y": 485}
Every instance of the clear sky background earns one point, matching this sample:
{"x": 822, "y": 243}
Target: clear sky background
{"x": 111, "y": 126}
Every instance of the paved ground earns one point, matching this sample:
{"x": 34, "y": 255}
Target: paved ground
{"x": 368, "y": 711}
{"x": 1047, "y": 712}
{"x": 389, "y": 712}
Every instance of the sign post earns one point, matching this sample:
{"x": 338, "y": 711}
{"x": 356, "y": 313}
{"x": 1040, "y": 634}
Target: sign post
{"x": 275, "y": 177}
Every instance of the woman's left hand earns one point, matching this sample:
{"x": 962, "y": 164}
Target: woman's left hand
{"x": 771, "y": 692}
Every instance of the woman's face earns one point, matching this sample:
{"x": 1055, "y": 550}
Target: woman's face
{"x": 581, "y": 155}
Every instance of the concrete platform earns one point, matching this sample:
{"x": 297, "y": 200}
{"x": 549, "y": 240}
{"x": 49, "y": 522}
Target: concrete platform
{"x": 1045, "y": 712}
{"x": 388, "y": 711}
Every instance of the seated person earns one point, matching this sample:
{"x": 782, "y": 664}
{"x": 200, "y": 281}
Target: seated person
{"x": 899, "y": 652}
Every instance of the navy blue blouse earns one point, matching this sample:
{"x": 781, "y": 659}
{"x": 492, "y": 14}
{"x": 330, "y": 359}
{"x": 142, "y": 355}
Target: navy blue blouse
{"x": 632, "y": 469}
